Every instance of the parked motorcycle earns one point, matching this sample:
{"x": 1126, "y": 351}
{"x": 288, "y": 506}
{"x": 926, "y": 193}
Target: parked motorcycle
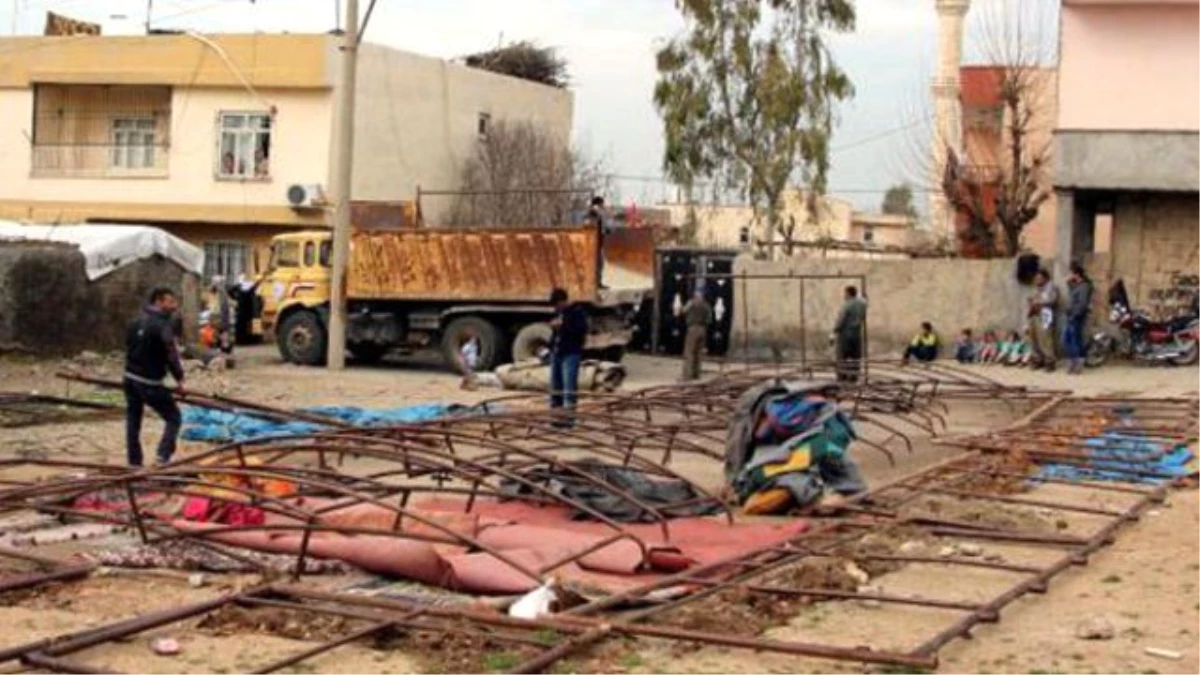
{"x": 1175, "y": 340}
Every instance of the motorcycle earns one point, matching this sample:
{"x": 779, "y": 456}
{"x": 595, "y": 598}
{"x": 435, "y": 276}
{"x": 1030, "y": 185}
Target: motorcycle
{"x": 1175, "y": 341}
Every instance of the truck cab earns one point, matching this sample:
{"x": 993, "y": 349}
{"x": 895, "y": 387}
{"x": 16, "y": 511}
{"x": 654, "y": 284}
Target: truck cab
{"x": 296, "y": 281}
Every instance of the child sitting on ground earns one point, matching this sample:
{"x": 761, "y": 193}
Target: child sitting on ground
{"x": 964, "y": 347}
{"x": 988, "y": 348}
{"x": 1018, "y": 350}
{"x": 924, "y": 346}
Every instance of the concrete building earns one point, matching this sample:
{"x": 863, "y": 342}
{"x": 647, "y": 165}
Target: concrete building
{"x": 1126, "y": 141}
{"x": 205, "y": 136}
{"x": 947, "y": 109}
{"x": 836, "y": 224}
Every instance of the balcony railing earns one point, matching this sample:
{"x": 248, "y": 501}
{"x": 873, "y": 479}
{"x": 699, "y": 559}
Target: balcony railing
{"x": 99, "y": 161}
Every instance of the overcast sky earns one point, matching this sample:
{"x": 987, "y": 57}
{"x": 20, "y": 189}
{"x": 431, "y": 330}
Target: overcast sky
{"x": 609, "y": 45}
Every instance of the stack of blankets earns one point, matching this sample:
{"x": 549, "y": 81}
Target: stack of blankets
{"x": 788, "y": 445}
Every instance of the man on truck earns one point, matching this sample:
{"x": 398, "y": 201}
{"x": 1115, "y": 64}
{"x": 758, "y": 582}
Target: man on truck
{"x": 570, "y": 324}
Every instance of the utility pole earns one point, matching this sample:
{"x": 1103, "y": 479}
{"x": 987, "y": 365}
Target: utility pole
{"x": 344, "y": 174}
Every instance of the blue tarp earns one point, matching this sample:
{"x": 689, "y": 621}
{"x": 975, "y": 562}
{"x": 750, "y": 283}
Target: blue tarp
{"x": 1115, "y": 451}
{"x": 202, "y": 424}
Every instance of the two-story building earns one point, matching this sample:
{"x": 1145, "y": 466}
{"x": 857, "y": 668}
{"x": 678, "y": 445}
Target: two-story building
{"x": 227, "y": 140}
{"x": 1127, "y": 142}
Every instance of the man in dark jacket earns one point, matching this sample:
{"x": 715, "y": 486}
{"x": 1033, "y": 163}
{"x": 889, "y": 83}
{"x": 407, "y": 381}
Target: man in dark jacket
{"x": 848, "y": 335}
{"x": 150, "y": 353}
{"x": 1079, "y": 303}
{"x": 570, "y": 325}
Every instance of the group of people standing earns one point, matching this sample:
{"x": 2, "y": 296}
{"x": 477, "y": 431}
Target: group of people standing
{"x": 1045, "y": 310}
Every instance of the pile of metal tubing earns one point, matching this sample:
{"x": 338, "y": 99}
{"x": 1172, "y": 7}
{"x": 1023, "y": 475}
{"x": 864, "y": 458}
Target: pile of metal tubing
{"x": 647, "y": 431}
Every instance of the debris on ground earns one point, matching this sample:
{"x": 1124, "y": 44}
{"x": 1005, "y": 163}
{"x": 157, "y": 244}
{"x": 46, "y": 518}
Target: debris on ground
{"x": 1095, "y": 628}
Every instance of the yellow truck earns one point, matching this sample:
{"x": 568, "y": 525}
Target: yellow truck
{"x": 440, "y": 287}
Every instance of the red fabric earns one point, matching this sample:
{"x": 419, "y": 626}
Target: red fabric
{"x": 522, "y": 537}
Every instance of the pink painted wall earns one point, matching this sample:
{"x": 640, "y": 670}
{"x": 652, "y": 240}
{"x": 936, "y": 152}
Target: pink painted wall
{"x": 1130, "y": 66}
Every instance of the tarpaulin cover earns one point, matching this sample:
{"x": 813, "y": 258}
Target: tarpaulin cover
{"x": 532, "y": 536}
{"x": 202, "y": 424}
{"x": 107, "y": 247}
{"x": 1112, "y": 452}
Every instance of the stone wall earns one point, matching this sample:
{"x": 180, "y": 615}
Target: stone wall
{"x": 1154, "y": 236}
{"x": 952, "y": 294}
{"x": 48, "y": 307}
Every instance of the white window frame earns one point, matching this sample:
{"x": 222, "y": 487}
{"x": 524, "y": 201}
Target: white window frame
{"x": 240, "y": 135}
{"x": 134, "y": 144}
{"x": 222, "y": 257}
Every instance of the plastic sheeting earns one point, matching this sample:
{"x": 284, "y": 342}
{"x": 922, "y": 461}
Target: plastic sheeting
{"x": 202, "y": 424}
{"x": 107, "y": 247}
{"x": 1114, "y": 452}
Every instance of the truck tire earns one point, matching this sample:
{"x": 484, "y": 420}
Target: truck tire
{"x": 303, "y": 339}
{"x": 458, "y": 331}
{"x": 530, "y": 339}
{"x": 368, "y": 352}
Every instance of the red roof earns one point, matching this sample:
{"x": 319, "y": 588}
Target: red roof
{"x": 980, "y": 86}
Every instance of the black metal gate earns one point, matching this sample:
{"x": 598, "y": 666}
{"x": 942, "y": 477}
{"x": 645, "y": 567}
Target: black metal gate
{"x": 679, "y": 270}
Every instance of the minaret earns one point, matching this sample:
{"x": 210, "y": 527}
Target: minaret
{"x": 947, "y": 108}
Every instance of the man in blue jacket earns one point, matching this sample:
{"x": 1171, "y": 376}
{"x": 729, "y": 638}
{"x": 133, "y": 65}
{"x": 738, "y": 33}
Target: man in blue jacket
{"x": 150, "y": 353}
{"x": 570, "y": 325}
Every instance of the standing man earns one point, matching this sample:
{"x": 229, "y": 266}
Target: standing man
{"x": 598, "y": 217}
{"x": 1079, "y": 303}
{"x": 570, "y": 326}
{"x": 848, "y": 335}
{"x": 698, "y": 316}
{"x": 150, "y": 353}
{"x": 1043, "y": 307}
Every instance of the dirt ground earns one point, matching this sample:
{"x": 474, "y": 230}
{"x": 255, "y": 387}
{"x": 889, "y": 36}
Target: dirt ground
{"x": 1145, "y": 584}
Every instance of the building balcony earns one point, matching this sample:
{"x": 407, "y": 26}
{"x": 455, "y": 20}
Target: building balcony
{"x": 100, "y": 131}
{"x": 99, "y": 161}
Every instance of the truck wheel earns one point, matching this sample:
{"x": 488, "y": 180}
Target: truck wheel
{"x": 530, "y": 339}
{"x": 302, "y": 339}
{"x": 456, "y": 334}
{"x": 368, "y": 352}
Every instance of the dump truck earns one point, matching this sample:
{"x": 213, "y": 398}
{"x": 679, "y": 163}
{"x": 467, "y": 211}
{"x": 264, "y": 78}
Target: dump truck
{"x": 440, "y": 287}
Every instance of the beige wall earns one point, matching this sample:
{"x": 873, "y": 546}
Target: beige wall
{"x": 1130, "y": 66}
{"x": 720, "y": 225}
{"x": 299, "y": 153}
{"x": 953, "y": 294}
{"x": 417, "y": 121}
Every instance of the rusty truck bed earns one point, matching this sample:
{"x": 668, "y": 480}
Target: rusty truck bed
{"x": 510, "y": 265}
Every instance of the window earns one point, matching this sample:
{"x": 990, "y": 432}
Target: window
{"x": 484, "y": 125}
{"x": 245, "y": 146}
{"x": 310, "y": 254}
{"x": 285, "y": 254}
{"x": 868, "y": 233}
{"x": 133, "y": 142}
{"x": 326, "y": 253}
{"x": 225, "y": 259}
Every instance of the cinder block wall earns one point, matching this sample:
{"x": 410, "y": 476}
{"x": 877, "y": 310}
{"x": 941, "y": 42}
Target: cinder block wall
{"x": 48, "y": 306}
{"x": 1154, "y": 236}
{"x": 952, "y": 294}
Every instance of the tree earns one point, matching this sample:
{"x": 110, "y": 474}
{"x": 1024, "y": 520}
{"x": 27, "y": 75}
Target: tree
{"x": 898, "y": 201}
{"x": 522, "y": 176}
{"x": 747, "y": 98}
{"x": 1001, "y": 189}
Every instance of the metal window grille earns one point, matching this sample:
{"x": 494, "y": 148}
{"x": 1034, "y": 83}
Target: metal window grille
{"x": 225, "y": 259}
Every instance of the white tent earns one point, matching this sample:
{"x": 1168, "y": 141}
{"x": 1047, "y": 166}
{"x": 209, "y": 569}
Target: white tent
{"x": 107, "y": 247}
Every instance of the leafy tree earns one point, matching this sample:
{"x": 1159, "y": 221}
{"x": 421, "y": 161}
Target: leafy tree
{"x": 898, "y": 201}
{"x": 747, "y": 98}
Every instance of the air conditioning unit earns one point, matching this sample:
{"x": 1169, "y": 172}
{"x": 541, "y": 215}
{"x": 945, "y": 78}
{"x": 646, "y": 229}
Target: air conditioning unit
{"x": 310, "y": 196}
